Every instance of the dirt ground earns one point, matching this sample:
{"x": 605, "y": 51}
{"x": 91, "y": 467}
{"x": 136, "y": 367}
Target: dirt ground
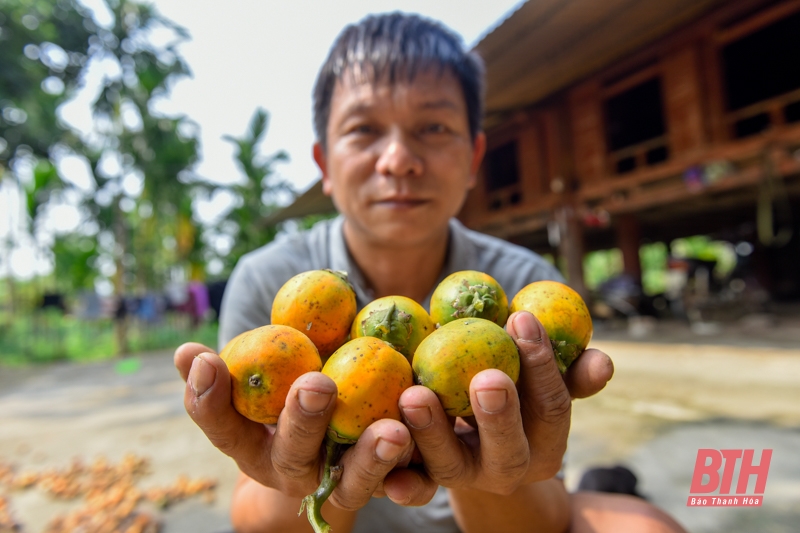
{"x": 674, "y": 391}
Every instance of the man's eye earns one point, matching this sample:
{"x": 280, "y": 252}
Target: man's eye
{"x": 435, "y": 128}
{"x": 363, "y": 129}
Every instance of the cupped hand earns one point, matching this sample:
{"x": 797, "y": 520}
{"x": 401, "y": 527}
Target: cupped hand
{"x": 289, "y": 456}
{"x": 519, "y": 432}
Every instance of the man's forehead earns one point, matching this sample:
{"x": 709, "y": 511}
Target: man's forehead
{"x": 430, "y": 88}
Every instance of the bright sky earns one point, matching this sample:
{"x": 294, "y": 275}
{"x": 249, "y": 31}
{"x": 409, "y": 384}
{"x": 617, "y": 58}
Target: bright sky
{"x": 247, "y": 54}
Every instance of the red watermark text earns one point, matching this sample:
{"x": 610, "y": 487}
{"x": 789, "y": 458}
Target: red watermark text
{"x": 714, "y": 475}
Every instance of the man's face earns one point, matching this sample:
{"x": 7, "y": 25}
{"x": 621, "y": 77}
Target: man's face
{"x": 399, "y": 159}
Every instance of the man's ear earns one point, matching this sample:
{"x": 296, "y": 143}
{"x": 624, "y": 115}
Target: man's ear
{"x": 478, "y": 151}
{"x": 322, "y": 162}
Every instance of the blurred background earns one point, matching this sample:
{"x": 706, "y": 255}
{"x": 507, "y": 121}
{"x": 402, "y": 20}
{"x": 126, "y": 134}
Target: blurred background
{"x": 651, "y": 150}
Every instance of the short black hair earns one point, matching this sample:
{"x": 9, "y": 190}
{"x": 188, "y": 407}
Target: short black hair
{"x": 395, "y": 47}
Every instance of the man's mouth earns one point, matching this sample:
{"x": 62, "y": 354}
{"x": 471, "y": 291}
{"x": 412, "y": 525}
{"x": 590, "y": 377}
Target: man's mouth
{"x": 398, "y": 202}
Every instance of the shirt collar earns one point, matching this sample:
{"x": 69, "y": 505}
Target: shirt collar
{"x": 461, "y": 253}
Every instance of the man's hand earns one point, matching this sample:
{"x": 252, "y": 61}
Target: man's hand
{"x": 287, "y": 457}
{"x": 520, "y": 437}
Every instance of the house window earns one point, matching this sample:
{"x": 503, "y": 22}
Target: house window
{"x": 635, "y": 127}
{"x": 503, "y": 170}
{"x": 762, "y": 77}
{"x": 502, "y": 176}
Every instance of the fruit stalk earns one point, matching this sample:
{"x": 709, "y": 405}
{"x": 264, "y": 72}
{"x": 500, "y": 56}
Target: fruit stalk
{"x": 331, "y": 475}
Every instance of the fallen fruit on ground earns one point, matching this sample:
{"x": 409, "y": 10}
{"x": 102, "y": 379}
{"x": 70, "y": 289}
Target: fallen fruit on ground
{"x": 321, "y": 304}
{"x": 398, "y": 320}
{"x": 370, "y": 376}
{"x": 263, "y": 363}
{"x": 468, "y": 294}
{"x": 448, "y": 359}
{"x": 564, "y": 315}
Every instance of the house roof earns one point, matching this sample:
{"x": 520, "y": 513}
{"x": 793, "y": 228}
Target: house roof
{"x": 311, "y": 202}
{"x": 547, "y": 45}
{"x": 544, "y": 46}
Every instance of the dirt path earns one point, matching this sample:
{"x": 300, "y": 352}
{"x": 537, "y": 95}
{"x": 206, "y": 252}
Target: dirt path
{"x": 665, "y": 402}
{"x": 61, "y": 412}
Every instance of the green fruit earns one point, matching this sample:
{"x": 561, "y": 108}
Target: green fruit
{"x": 466, "y": 294}
{"x": 448, "y": 359}
{"x": 398, "y": 320}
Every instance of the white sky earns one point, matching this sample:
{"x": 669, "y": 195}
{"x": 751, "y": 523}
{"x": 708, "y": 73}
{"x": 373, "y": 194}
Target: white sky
{"x": 246, "y": 54}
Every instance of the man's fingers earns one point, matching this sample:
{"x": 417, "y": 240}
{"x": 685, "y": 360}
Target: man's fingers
{"x": 589, "y": 373}
{"x": 207, "y": 399}
{"x": 442, "y": 451}
{"x": 409, "y": 486}
{"x": 184, "y": 356}
{"x": 301, "y": 429}
{"x": 379, "y": 449}
{"x": 504, "y": 451}
{"x": 546, "y": 403}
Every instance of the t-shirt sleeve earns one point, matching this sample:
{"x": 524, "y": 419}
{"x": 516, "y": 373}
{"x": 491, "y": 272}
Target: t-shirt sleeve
{"x": 244, "y": 306}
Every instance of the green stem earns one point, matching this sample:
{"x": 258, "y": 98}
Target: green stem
{"x": 330, "y": 478}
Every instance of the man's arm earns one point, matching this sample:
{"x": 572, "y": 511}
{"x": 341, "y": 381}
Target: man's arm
{"x": 259, "y": 509}
{"x": 541, "y": 507}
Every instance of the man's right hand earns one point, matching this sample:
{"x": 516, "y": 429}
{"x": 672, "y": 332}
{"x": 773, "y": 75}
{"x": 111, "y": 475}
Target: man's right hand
{"x": 288, "y": 456}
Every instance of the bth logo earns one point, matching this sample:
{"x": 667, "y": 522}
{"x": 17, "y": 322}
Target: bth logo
{"x": 714, "y": 473}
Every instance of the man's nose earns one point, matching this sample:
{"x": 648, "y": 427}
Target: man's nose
{"x": 398, "y": 158}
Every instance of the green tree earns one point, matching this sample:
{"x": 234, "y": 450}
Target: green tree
{"x": 142, "y": 160}
{"x": 257, "y": 197}
{"x": 140, "y": 207}
{"x": 44, "y": 47}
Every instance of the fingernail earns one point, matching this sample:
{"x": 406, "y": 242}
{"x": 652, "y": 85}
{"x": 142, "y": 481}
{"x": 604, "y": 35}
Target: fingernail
{"x": 526, "y": 328}
{"x": 313, "y": 401}
{"x": 201, "y": 375}
{"x": 387, "y": 451}
{"x": 492, "y": 401}
{"x": 418, "y": 417}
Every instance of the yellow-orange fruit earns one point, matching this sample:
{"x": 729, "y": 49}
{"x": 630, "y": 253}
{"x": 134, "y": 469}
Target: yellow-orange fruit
{"x": 468, "y": 294}
{"x": 564, "y": 315}
{"x": 321, "y": 304}
{"x": 263, "y": 363}
{"x": 448, "y": 359}
{"x": 398, "y": 320}
{"x": 370, "y": 376}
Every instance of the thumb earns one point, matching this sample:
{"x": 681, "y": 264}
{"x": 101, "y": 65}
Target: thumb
{"x": 545, "y": 400}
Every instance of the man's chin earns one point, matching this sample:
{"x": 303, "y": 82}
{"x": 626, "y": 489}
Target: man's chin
{"x": 414, "y": 231}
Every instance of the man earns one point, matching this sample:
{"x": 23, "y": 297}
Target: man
{"x": 398, "y": 106}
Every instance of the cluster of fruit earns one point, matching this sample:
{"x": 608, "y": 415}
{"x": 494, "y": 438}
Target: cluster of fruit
{"x": 373, "y": 356}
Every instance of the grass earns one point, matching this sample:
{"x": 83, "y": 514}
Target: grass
{"x": 44, "y": 337}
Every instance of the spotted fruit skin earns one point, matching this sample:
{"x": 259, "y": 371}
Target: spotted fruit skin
{"x": 263, "y": 364}
{"x": 564, "y": 315}
{"x": 321, "y": 304}
{"x": 398, "y": 320}
{"x": 370, "y": 376}
{"x": 448, "y": 359}
{"x": 466, "y": 294}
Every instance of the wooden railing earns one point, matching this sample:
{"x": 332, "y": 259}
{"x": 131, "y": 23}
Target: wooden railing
{"x": 774, "y": 108}
{"x": 637, "y": 152}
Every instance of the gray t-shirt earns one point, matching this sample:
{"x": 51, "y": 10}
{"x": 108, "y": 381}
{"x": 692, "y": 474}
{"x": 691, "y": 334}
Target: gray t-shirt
{"x": 247, "y": 304}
